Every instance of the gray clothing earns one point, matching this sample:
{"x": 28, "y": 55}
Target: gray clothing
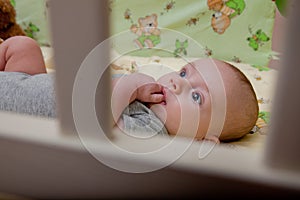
{"x": 35, "y": 95}
{"x": 140, "y": 121}
{"x": 28, "y": 94}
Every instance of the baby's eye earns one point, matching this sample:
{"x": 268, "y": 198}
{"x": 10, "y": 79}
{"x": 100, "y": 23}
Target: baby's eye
{"x": 182, "y": 73}
{"x": 197, "y": 97}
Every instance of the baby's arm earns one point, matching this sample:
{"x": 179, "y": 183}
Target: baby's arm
{"x": 132, "y": 87}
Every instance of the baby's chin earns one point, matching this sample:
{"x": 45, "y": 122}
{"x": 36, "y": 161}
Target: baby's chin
{"x": 159, "y": 111}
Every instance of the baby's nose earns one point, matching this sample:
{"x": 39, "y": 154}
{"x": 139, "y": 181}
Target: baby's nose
{"x": 176, "y": 86}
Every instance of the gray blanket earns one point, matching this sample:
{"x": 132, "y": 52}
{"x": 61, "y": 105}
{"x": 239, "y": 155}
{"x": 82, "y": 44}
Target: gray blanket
{"x": 28, "y": 94}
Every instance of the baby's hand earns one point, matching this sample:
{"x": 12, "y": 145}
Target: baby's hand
{"x": 136, "y": 86}
{"x": 148, "y": 90}
{"x": 150, "y": 93}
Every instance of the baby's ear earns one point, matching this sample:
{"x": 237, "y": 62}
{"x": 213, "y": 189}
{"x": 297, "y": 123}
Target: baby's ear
{"x": 212, "y": 138}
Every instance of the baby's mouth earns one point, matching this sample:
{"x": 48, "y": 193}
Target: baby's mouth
{"x": 164, "y": 102}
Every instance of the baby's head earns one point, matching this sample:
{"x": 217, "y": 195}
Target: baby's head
{"x": 193, "y": 95}
{"x": 241, "y": 107}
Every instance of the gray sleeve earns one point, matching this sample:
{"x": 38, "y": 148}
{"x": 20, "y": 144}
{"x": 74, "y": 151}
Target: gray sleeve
{"x": 140, "y": 121}
{"x": 28, "y": 94}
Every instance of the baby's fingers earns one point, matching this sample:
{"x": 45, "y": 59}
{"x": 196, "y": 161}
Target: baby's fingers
{"x": 155, "y": 88}
{"x": 156, "y": 98}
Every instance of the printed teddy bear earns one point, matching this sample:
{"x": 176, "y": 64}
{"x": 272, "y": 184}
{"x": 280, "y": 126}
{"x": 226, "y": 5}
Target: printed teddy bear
{"x": 228, "y": 7}
{"x": 147, "y": 31}
{"x": 225, "y": 10}
{"x": 220, "y": 22}
{"x": 8, "y": 25}
{"x": 215, "y": 5}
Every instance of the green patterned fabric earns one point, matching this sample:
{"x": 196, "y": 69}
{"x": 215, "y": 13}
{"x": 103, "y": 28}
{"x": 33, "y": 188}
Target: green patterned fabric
{"x": 32, "y": 17}
{"x": 238, "y": 30}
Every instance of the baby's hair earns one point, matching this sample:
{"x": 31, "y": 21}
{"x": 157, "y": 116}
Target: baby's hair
{"x": 238, "y": 124}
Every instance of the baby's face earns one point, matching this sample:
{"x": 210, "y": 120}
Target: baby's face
{"x": 187, "y": 104}
{"x": 187, "y": 109}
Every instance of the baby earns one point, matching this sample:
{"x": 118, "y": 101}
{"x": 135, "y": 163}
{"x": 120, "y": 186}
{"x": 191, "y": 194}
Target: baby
{"x": 178, "y": 103}
{"x": 182, "y": 103}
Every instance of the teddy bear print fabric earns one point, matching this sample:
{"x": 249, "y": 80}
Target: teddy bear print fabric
{"x": 231, "y": 30}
